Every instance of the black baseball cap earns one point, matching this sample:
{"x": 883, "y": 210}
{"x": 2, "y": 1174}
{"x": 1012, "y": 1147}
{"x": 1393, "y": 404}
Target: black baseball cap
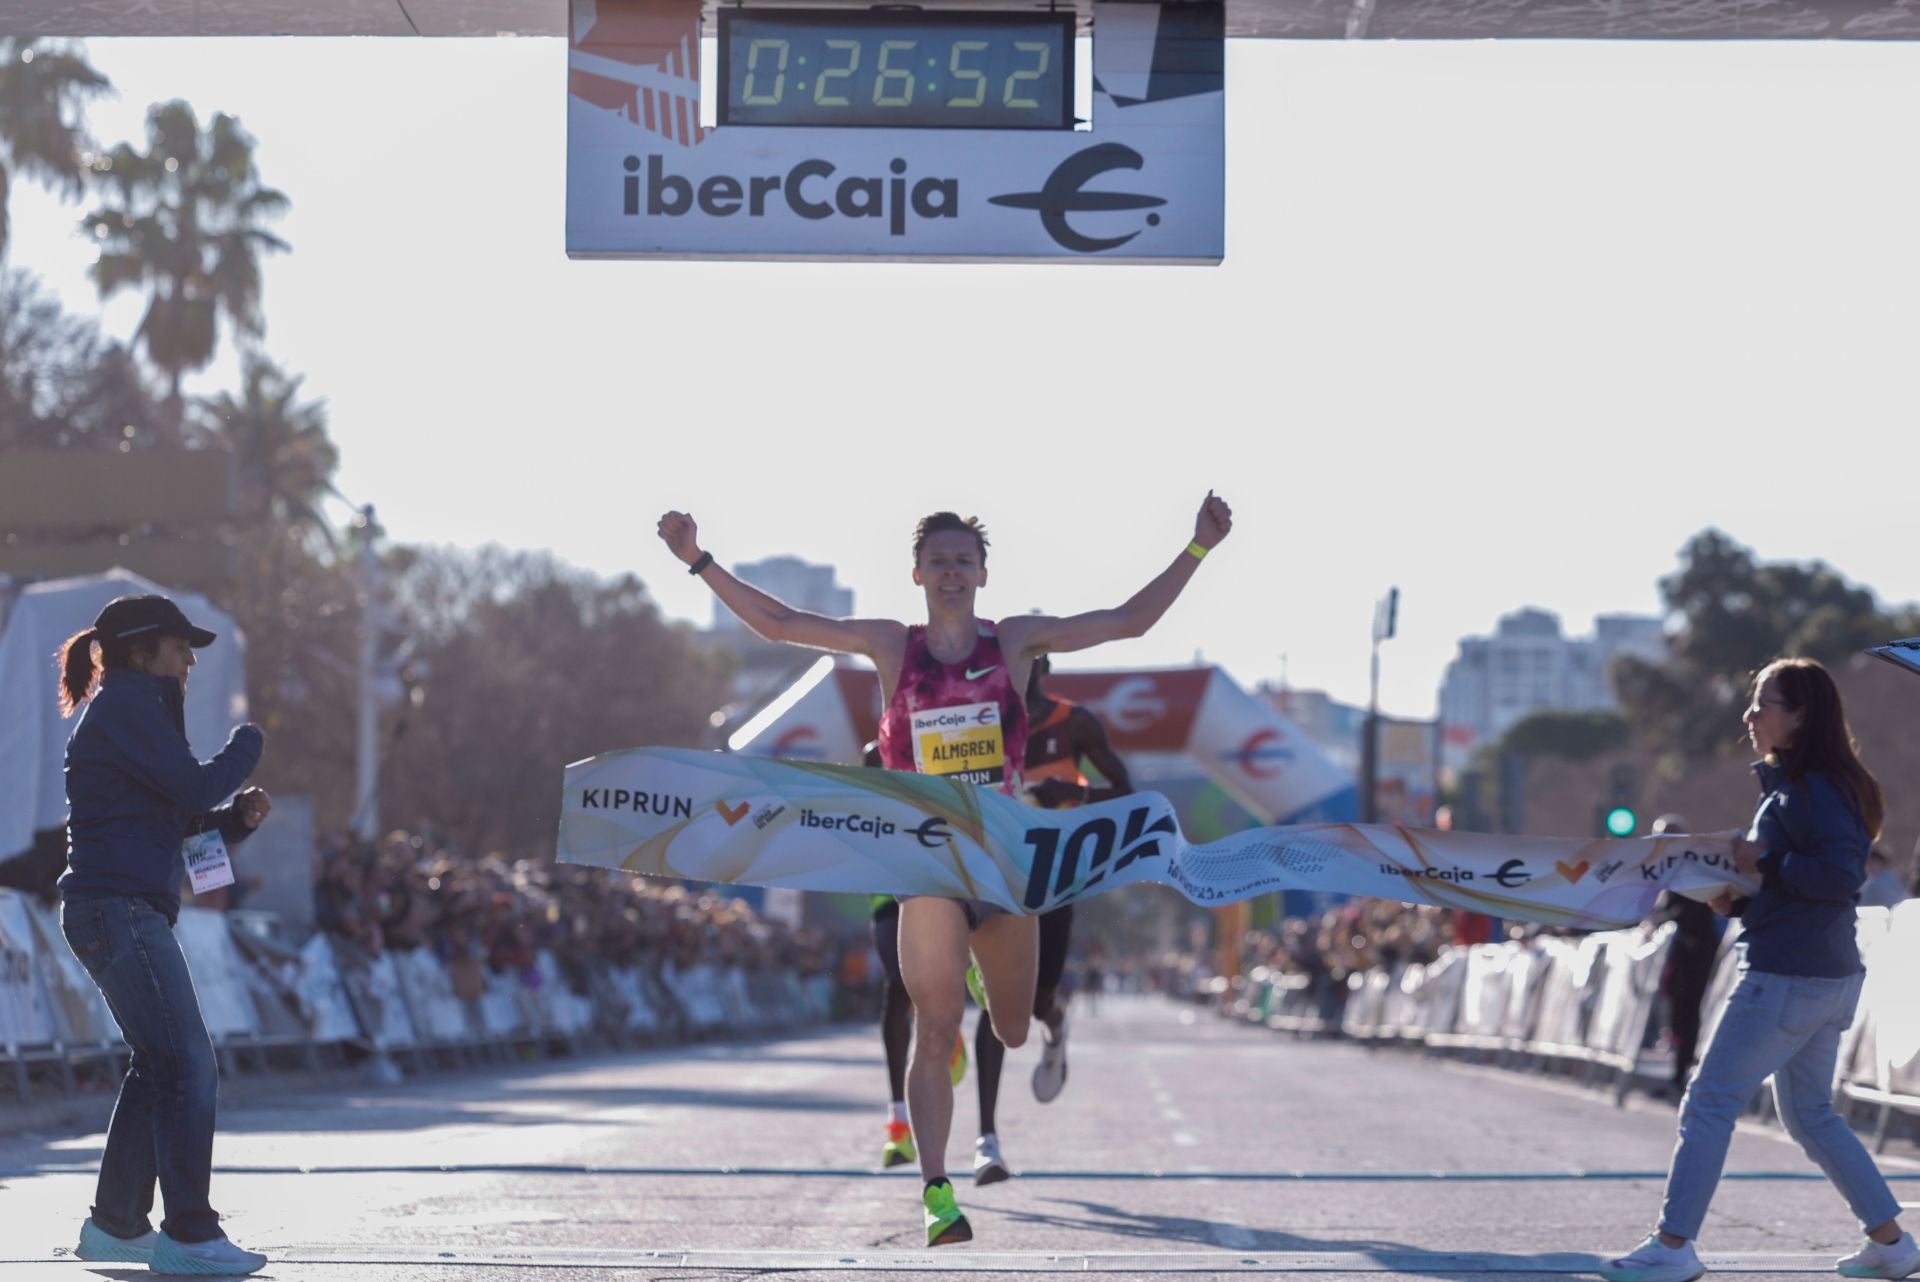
{"x": 132, "y": 616}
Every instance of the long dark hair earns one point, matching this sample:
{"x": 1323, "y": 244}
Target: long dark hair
{"x": 80, "y": 665}
{"x": 1823, "y": 743}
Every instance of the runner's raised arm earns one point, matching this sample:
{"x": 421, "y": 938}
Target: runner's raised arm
{"x": 768, "y": 616}
{"x": 1036, "y": 635}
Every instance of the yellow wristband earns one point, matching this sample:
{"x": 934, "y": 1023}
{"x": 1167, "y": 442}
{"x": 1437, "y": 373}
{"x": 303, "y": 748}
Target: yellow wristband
{"x": 1199, "y": 553}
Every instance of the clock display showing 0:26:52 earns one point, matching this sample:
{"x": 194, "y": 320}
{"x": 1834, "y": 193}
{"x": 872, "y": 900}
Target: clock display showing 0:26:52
{"x": 871, "y": 70}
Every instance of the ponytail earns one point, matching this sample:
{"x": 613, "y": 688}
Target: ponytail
{"x": 78, "y": 670}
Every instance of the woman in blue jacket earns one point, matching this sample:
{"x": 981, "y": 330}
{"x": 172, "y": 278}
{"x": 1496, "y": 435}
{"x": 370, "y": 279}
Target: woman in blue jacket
{"x": 1820, "y": 811}
{"x": 136, "y": 795}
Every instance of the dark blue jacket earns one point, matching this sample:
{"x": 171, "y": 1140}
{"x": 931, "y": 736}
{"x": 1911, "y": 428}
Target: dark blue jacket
{"x": 135, "y": 793}
{"x": 1801, "y": 921}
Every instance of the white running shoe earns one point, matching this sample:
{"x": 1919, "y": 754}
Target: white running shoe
{"x": 1891, "y": 1260}
{"x": 99, "y": 1245}
{"x": 218, "y": 1258}
{"x": 988, "y": 1166}
{"x": 1050, "y": 1074}
{"x": 1655, "y": 1261}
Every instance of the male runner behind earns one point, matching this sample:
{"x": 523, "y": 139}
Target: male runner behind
{"x": 896, "y": 1018}
{"x": 953, "y": 690}
{"x": 1060, "y": 735}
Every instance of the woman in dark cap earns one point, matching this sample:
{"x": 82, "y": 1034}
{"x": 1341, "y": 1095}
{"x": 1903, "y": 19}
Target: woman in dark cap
{"x": 143, "y": 810}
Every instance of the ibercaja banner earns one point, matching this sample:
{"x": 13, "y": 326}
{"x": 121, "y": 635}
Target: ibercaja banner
{"x": 724, "y": 817}
{"x": 1143, "y": 180}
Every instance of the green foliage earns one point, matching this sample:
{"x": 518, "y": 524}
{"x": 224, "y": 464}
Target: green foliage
{"x": 44, "y": 87}
{"x": 62, "y": 385}
{"x": 183, "y": 220}
{"x": 531, "y": 664}
{"x": 1734, "y": 615}
{"x": 1577, "y": 736}
{"x": 283, "y": 458}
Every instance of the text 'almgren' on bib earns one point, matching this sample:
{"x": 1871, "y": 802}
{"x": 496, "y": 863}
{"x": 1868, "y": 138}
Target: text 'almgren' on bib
{"x": 964, "y": 742}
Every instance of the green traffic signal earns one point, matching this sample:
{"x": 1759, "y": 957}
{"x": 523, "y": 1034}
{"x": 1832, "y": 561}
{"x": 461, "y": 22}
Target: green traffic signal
{"x": 1621, "y": 821}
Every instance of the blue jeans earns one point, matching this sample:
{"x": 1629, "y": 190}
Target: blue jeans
{"x": 162, "y": 1124}
{"x": 1787, "y": 1027}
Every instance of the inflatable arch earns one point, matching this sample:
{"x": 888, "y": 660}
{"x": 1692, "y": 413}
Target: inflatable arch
{"x": 1198, "y": 715}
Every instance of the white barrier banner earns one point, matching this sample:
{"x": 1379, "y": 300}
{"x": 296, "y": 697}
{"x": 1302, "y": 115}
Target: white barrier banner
{"x": 708, "y": 816}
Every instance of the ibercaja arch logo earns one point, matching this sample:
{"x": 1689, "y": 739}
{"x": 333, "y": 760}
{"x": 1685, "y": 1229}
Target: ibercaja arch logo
{"x": 640, "y": 61}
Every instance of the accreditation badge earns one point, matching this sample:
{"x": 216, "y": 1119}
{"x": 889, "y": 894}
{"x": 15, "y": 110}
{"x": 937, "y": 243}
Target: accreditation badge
{"x": 209, "y": 867}
{"x": 964, "y": 742}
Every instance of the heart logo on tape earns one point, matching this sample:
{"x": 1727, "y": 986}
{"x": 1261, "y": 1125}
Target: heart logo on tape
{"x": 732, "y": 814}
{"x": 1573, "y": 872}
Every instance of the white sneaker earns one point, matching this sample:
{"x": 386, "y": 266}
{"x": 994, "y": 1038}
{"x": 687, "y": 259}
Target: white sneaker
{"x": 1654, "y": 1261}
{"x": 98, "y": 1244}
{"x": 988, "y": 1166}
{"x": 218, "y": 1258}
{"x": 1050, "y": 1074}
{"x": 1881, "y": 1259}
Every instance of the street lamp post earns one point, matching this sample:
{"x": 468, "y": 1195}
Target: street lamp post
{"x": 366, "y": 772}
{"x": 1386, "y": 619}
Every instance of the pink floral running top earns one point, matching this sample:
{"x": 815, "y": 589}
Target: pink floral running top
{"x": 960, "y": 720}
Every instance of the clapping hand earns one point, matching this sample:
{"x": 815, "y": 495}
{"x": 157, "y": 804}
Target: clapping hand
{"x": 254, "y": 805}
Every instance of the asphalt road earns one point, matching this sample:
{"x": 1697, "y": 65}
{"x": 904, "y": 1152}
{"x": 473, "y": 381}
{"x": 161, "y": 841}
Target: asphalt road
{"x": 1183, "y": 1144}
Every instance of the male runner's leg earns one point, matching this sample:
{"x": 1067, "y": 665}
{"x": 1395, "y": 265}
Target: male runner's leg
{"x": 1056, "y": 933}
{"x": 1055, "y": 930}
{"x": 896, "y": 1033}
{"x": 933, "y": 960}
{"x": 989, "y": 1053}
{"x": 1007, "y": 948}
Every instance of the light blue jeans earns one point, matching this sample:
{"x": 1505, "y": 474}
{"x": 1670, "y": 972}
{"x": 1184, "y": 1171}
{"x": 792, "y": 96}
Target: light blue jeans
{"x": 1787, "y": 1027}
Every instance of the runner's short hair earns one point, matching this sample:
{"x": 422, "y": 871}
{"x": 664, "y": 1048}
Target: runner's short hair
{"x": 941, "y": 523}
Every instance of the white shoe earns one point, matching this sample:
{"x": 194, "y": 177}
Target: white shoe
{"x": 218, "y": 1258}
{"x": 99, "y": 1245}
{"x": 1881, "y": 1259}
{"x": 988, "y": 1166}
{"x": 1050, "y": 1074}
{"x": 1654, "y": 1261}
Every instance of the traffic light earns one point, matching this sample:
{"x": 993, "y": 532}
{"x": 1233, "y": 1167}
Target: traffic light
{"x": 1616, "y": 816}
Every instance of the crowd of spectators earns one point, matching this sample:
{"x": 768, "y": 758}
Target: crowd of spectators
{"x": 494, "y": 914}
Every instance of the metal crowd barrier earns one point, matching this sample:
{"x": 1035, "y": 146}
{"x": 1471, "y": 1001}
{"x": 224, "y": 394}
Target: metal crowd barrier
{"x": 260, "y": 994}
{"x": 1590, "y": 1001}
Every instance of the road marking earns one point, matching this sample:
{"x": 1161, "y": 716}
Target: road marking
{"x": 902, "y": 1175}
{"x": 1186, "y": 1139}
{"x": 962, "y": 1260}
{"x": 1173, "y": 1115}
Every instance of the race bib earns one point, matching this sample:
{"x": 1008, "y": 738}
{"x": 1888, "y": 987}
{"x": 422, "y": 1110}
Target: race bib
{"x": 964, "y": 742}
{"x": 208, "y": 865}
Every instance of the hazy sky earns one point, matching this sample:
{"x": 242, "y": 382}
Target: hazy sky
{"x": 1502, "y": 323}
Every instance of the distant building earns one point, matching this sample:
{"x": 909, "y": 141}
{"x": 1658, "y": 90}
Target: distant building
{"x": 1528, "y": 666}
{"x": 800, "y": 584}
{"x": 766, "y": 668}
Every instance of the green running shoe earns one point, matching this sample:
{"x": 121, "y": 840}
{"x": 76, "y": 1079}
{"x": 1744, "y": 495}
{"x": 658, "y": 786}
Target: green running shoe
{"x": 898, "y": 1150}
{"x": 975, "y": 988}
{"x": 945, "y": 1224}
{"x": 957, "y": 1066}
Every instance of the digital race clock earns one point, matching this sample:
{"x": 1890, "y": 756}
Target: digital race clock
{"x": 877, "y": 69}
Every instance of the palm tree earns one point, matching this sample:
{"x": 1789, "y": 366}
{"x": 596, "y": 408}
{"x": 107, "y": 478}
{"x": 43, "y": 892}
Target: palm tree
{"x": 183, "y": 220}
{"x": 43, "y": 89}
{"x": 283, "y": 458}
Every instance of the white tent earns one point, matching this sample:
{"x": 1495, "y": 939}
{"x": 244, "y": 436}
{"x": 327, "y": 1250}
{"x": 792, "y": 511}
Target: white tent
{"x": 33, "y": 737}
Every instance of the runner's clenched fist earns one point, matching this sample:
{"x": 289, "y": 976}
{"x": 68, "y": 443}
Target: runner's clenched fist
{"x": 1214, "y": 523}
{"x": 681, "y": 535}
